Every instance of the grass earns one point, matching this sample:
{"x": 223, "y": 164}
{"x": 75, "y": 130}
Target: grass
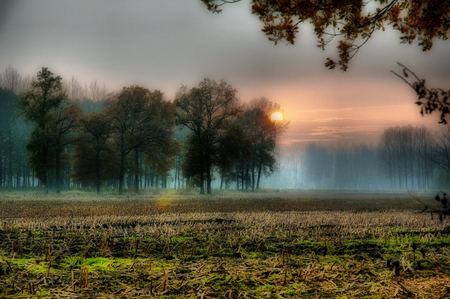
{"x": 230, "y": 245}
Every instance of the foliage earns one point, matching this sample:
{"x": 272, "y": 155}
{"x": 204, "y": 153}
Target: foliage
{"x": 45, "y": 96}
{"x": 46, "y": 106}
{"x": 232, "y": 145}
{"x": 142, "y": 122}
{"x": 261, "y": 134}
{"x": 13, "y": 137}
{"x": 352, "y": 22}
{"x": 94, "y": 154}
{"x": 430, "y": 100}
{"x": 208, "y": 111}
{"x": 192, "y": 165}
{"x": 162, "y": 158}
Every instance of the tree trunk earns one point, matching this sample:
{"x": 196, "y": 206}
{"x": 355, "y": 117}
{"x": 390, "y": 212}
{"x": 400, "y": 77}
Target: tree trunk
{"x": 57, "y": 172}
{"x": 46, "y": 182}
{"x": 24, "y": 177}
{"x": 121, "y": 173}
{"x": 242, "y": 177}
{"x": 202, "y": 183}
{"x": 208, "y": 172}
{"x": 1, "y": 172}
{"x": 246, "y": 177}
{"x": 208, "y": 180}
{"x": 145, "y": 177}
{"x": 152, "y": 179}
{"x": 136, "y": 174}
{"x": 253, "y": 176}
{"x": 259, "y": 175}
{"x": 10, "y": 174}
{"x": 68, "y": 180}
{"x": 97, "y": 172}
{"x": 175, "y": 179}
{"x": 237, "y": 179}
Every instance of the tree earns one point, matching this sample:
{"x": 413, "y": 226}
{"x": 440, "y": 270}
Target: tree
{"x": 11, "y": 80}
{"x": 429, "y": 100}
{"x": 162, "y": 158}
{"x": 207, "y": 110}
{"x": 8, "y": 104}
{"x": 181, "y": 134}
{"x": 13, "y": 131}
{"x": 263, "y": 134}
{"x": 353, "y": 22}
{"x": 94, "y": 156}
{"x": 142, "y": 122}
{"x": 232, "y": 144}
{"x": 40, "y": 105}
{"x": 441, "y": 156}
{"x": 318, "y": 167}
{"x": 405, "y": 154}
{"x": 66, "y": 119}
{"x": 193, "y": 166}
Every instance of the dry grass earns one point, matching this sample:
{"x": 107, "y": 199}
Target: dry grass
{"x": 271, "y": 245}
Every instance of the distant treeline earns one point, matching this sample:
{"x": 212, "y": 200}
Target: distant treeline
{"x": 406, "y": 158}
{"x": 58, "y": 135}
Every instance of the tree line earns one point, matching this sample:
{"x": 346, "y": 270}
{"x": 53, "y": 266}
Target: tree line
{"x": 59, "y": 135}
{"x": 405, "y": 157}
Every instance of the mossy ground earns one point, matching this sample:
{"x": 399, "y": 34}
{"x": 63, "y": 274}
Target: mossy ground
{"x": 181, "y": 248}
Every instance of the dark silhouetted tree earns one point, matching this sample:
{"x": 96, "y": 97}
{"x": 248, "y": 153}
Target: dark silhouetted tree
{"x": 94, "y": 157}
{"x": 8, "y": 104}
{"x": 142, "y": 122}
{"x": 231, "y": 144}
{"x": 161, "y": 158}
{"x": 65, "y": 121}
{"x": 208, "y": 111}
{"x": 262, "y": 133}
{"x": 40, "y": 105}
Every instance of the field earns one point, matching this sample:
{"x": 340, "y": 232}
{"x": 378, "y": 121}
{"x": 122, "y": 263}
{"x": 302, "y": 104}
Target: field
{"x": 229, "y": 245}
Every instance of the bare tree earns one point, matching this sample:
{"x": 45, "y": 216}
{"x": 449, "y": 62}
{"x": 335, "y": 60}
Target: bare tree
{"x": 405, "y": 154}
{"x": 74, "y": 90}
{"x": 441, "y": 156}
{"x": 11, "y": 80}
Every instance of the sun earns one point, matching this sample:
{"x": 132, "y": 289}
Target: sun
{"x": 277, "y": 116}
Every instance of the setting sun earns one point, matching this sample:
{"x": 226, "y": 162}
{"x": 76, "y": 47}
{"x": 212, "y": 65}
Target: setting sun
{"x": 277, "y": 116}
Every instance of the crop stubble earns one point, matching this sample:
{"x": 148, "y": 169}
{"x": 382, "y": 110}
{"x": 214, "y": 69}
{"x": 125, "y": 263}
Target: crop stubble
{"x": 266, "y": 245}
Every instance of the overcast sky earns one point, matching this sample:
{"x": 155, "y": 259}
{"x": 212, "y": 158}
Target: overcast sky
{"x": 163, "y": 44}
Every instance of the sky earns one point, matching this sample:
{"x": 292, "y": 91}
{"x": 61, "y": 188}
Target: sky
{"x": 163, "y": 45}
